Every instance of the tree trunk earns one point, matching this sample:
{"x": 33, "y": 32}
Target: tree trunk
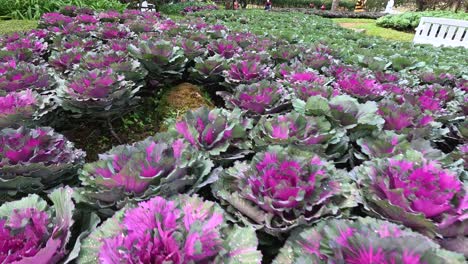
{"x": 335, "y": 4}
{"x": 420, "y": 5}
{"x": 456, "y": 5}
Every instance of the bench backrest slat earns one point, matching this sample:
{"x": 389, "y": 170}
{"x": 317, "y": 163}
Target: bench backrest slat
{"x": 442, "y": 32}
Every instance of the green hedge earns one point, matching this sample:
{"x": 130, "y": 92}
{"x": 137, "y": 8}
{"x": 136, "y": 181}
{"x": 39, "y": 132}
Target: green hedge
{"x": 410, "y": 20}
{"x": 33, "y": 9}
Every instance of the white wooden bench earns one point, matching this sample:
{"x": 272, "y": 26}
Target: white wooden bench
{"x": 442, "y": 32}
{"x": 145, "y": 6}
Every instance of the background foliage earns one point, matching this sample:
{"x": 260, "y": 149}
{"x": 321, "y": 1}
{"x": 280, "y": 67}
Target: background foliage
{"x": 410, "y": 20}
{"x": 33, "y": 9}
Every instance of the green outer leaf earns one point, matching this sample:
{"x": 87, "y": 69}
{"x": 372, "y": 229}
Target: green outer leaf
{"x": 241, "y": 246}
{"x": 92, "y": 224}
{"x": 416, "y": 220}
{"x": 64, "y": 206}
{"x": 317, "y": 105}
{"x": 32, "y": 201}
{"x": 89, "y": 252}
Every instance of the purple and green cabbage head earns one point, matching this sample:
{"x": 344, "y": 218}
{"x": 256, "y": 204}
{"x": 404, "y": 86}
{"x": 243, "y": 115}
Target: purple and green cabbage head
{"x": 97, "y": 93}
{"x": 359, "y": 85}
{"x": 140, "y": 25}
{"x": 66, "y": 60}
{"x": 217, "y": 132}
{"x": 434, "y": 78}
{"x": 192, "y": 48}
{"x": 225, "y": 49}
{"x": 402, "y": 117}
{"x": 362, "y": 241}
{"x": 260, "y": 98}
{"x": 317, "y": 60}
{"x": 247, "y": 72}
{"x": 54, "y": 20}
{"x": 27, "y": 47}
{"x": 32, "y": 231}
{"x": 108, "y": 31}
{"x": 86, "y": 19}
{"x": 253, "y": 56}
{"x": 102, "y": 59}
{"x": 184, "y": 229}
{"x": 208, "y": 71}
{"x": 306, "y": 84}
{"x": 63, "y": 43}
{"x": 18, "y": 76}
{"x": 161, "y": 58}
{"x": 434, "y": 98}
{"x": 282, "y": 188}
{"x": 69, "y": 10}
{"x": 243, "y": 39}
{"x": 109, "y": 16}
{"x": 284, "y": 70}
{"x": 32, "y": 160}
{"x": 155, "y": 166}
{"x": 386, "y": 144}
{"x": 292, "y": 129}
{"x": 18, "y": 108}
{"x": 118, "y": 61}
{"x": 416, "y": 192}
{"x": 284, "y": 53}
{"x": 345, "y": 112}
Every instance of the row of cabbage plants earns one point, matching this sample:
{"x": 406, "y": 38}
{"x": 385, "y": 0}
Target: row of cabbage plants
{"x": 374, "y": 53}
{"x": 347, "y": 165}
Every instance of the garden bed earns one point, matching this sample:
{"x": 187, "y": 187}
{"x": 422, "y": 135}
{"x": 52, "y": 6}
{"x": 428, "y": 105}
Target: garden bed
{"x": 332, "y": 14}
{"x": 281, "y": 143}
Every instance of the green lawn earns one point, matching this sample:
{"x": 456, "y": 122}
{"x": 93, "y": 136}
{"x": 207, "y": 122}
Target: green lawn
{"x": 10, "y": 26}
{"x": 372, "y": 29}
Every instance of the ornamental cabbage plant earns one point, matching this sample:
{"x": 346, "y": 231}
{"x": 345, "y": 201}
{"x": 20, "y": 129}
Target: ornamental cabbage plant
{"x": 318, "y": 59}
{"x": 282, "y": 188}
{"x": 108, "y": 31}
{"x": 118, "y": 61}
{"x": 345, "y": 111}
{"x": 351, "y": 119}
{"x": 247, "y": 72}
{"x": 400, "y": 116}
{"x": 386, "y": 144}
{"x": 293, "y": 128}
{"x": 32, "y": 231}
{"x": 97, "y": 93}
{"x": 161, "y": 58}
{"x": 416, "y": 192}
{"x": 259, "y": 98}
{"x": 160, "y": 165}
{"x": 32, "y": 160}
{"x": 208, "y": 71}
{"x": 364, "y": 240}
{"x": 17, "y": 76}
{"x": 223, "y": 48}
{"x": 359, "y": 85}
{"x": 184, "y": 229}
{"x": 306, "y": 84}
{"x": 192, "y": 48}
{"x": 18, "y": 108}
{"x": 64, "y": 61}
{"x": 27, "y": 47}
{"x": 54, "y": 20}
{"x": 285, "y": 53}
{"x": 215, "y": 131}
